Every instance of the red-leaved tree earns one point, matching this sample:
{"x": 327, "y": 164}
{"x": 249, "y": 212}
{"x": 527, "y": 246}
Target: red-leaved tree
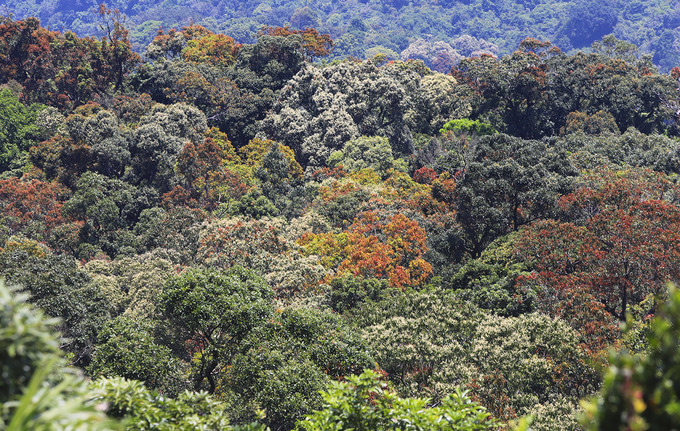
{"x": 621, "y": 245}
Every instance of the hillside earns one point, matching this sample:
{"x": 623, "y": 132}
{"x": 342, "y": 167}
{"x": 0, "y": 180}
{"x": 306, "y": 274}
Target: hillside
{"x": 247, "y": 236}
{"x": 363, "y": 28}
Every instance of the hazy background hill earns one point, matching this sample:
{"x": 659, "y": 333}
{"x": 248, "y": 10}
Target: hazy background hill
{"x": 420, "y": 28}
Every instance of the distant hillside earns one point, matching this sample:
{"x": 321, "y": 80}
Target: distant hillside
{"x": 420, "y": 28}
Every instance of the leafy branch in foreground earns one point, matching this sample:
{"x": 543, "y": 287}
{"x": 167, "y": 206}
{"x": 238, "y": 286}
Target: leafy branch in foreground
{"x": 364, "y": 403}
{"x": 643, "y": 392}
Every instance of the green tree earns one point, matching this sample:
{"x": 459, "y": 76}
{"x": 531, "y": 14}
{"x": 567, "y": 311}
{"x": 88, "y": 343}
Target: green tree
{"x": 508, "y": 182}
{"x": 490, "y": 281}
{"x": 214, "y": 311}
{"x": 61, "y": 289}
{"x": 142, "y": 409}
{"x": 18, "y": 130}
{"x": 365, "y": 403}
{"x": 365, "y": 152}
{"x": 109, "y": 208}
{"x": 127, "y": 348}
{"x": 285, "y": 363}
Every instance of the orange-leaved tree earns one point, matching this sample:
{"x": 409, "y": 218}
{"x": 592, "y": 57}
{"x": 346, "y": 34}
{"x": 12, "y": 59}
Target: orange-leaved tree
{"x": 375, "y": 248}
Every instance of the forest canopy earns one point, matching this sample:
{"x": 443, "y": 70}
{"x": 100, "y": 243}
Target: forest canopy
{"x": 439, "y": 32}
{"x": 235, "y": 233}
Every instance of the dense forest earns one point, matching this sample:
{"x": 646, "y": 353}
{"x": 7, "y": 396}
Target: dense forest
{"x": 214, "y": 234}
{"x": 439, "y": 32}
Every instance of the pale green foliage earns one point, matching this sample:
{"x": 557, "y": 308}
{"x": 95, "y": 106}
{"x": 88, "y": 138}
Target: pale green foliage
{"x": 632, "y": 148}
{"x": 441, "y": 99}
{"x": 171, "y": 235}
{"x": 131, "y": 285}
{"x": 322, "y": 109}
{"x": 180, "y": 120}
{"x": 560, "y": 415}
{"x": 265, "y": 247}
{"x": 364, "y": 403}
{"x": 432, "y": 343}
{"x": 109, "y": 143}
{"x": 419, "y": 333}
{"x": 159, "y": 138}
{"x": 50, "y": 121}
{"x": 143, "y": 409}
{"x": 365, "y": 152}
{"x": 537, "y": 357}
{"x": 253, "y": 244}
{"x": 293, "y": 273}
{"x": 310, "y": 221}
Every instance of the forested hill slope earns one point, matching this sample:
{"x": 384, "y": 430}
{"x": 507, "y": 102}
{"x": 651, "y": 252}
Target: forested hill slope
{"x": 362, "y": 28}
{"x": 224, "y": 231}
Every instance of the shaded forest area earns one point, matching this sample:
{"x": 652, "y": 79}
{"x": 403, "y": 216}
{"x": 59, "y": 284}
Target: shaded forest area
{"x": 439, "y": 32}
{"x": 233, "y": 233}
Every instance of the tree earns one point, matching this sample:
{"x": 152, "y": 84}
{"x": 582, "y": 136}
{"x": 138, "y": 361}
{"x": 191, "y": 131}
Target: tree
{"x": 286, "y": 362}
{"x": 142, "y": 409}
{"x": 439, "y": 55}
{"x": 632, "y": 148}
{"x": 214, "y": 311}
{"x": 364, "y": 402}
{"x": 322, "y": 109}
{"x": 19, "y": 130}
{"x": 171, "y": 234}
{"x": 506, "y": 183}
{"x": 586, "y": 24}
{"x": 375, "y": 248}
{"x": 216, "y": 49}
{"x": 531, "y": 92}
{"x": 314, "y": 44}
{"x": 206, "y": 181}
{"x": 132, "y": 284}
{"x": 108, "y": 206}
{"x": 254, "y": 244}
{"x": 490, "y": 281}
{"x": 115, "y": 45}
{"x": 441, "y": 98}
{"x": 32, "y": 209}
{"x": 619, "y": 248}
{"x": 159, "y": 139}
{"x": 430, "y": 343}
{"x": 63, "y": 290}
{"x": 126, "y": 348}
{"x": 365, "y": 152}
{"x": 280, "y": 179}
{"x": 64, "y": 70}
{"x": 109, "y": 143}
